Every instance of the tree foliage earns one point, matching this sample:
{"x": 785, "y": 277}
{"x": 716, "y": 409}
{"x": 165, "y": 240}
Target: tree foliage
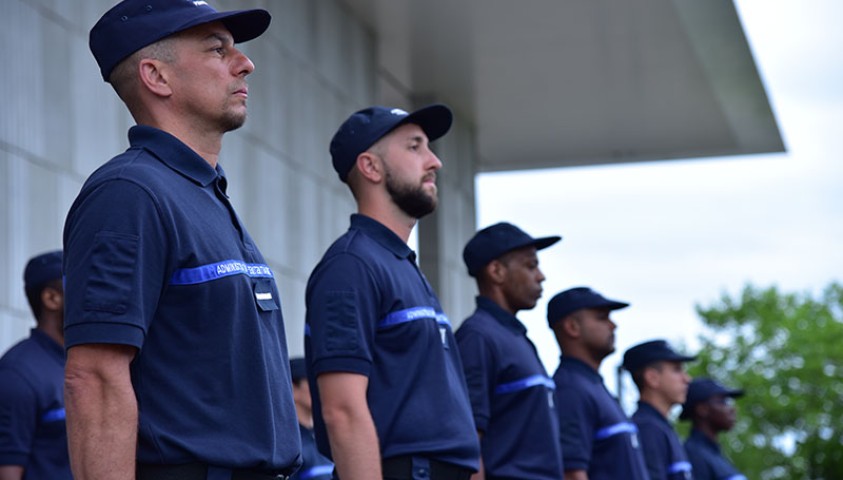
{"x": 786, "y": 351}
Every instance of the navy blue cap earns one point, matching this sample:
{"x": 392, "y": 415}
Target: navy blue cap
{"x": 363, "y": 128}
{"x": 571, "y": 300}
{"x": 42, "y": 269}
{"x": 298, "y": 369}
{"x": 133, "y": 24}
{"x": 700, "y": 390}
{"x": 496, "y": 240}
{"x": 644, "y": 354}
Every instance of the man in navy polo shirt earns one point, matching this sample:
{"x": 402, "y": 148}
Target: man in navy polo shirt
{"x": 390, "y": 400}
{"x": 511, "y": 394}
{"x": 710, "y": 407}
{"x": 33, "y": 438}
{"x": 659, "y": 373}
{"x": 176, "y": 354}
{"x": 599, "y": 442}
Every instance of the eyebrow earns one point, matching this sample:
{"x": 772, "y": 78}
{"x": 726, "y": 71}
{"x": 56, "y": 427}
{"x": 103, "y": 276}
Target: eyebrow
{"x": 224, "y": 39}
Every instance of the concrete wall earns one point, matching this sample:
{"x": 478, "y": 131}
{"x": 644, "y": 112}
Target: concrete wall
{"x": 315, "y": 65}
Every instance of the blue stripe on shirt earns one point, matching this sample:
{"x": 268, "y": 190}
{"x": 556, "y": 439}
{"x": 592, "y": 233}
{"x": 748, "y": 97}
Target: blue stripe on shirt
{"x": 316, "y": 471}
{"x": 215, "y": 271}
{"x": 616, "y": 429}
{"x": 679, "y": 467}
{"x": 525, "y": 383}
{"x": 411, "y": 315}
{"x": 54, "y": 415}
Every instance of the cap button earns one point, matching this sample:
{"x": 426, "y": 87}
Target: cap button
{"x": 124, "y": 18}
{"x": 149, "y": 8}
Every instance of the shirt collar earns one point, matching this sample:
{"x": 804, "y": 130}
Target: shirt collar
{"x": 174, "y": 153}
{"x": 700, "y": 437}
{"x": 384, "y": 236}
{"x": 48, "y": 344}
{"x": 505, "y": 318}
{"x": 577, "y": 364}
{"x": 651, "y": 411}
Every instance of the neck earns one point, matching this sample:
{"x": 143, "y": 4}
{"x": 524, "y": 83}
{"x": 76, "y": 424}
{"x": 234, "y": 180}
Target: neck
{"x": 53, "y": 328}
{"x": 206, "y": 142}
{"x": 707, "y": 430}
{"x": 497, "y": 296}
{"x": 656, "y": 401}
{"x": 390, "y": 216}
{"x": 574, "y": 350}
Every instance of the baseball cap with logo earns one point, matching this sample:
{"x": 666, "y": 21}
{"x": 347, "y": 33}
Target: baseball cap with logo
{"x": 365, "y": 127}
{"x": 133, "y": 24}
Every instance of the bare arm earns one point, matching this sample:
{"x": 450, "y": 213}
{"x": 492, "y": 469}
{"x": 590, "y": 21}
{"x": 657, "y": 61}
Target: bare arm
{"x": 351, "y": 430}
{"x": 102, "y": 412}
{"x": 11, "y": 472}
{"x": 481, "y": 472}
{"x": 576, "y": 475}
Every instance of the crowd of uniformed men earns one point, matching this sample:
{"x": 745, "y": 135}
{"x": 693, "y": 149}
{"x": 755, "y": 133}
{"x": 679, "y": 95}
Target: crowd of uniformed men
{"x": 162, "y": 353}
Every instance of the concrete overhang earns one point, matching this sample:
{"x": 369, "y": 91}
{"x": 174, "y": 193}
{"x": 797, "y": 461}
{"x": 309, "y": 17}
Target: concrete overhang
{"x": 551, "y": 83}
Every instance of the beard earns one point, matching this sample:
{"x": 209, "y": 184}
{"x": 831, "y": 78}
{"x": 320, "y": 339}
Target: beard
{"x": 411, "y": 199}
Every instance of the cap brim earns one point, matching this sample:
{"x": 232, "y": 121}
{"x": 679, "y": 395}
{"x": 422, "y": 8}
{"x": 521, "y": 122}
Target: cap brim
{"x": 435, "y": 120}
{"x": 610, "y": 304}
{"x": 246, "y": 25}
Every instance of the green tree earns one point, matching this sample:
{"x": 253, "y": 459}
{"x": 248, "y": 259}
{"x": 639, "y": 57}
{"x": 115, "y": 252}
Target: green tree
{"x": 786, "y": 351}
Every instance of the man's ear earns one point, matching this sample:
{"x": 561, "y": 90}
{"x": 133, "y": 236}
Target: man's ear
{"x": 154, "y": 76}
{"x": 52, "y": 299}
{"x": 495, "y": 271}
{"x": 370, "y": 167}
{"x": 571, "y": 326}
{"x": 652, "y": 377}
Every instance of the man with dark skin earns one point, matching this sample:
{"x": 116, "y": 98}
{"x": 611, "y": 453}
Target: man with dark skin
{"x": 511, "y": 394}
{"x": 33, "y": 437}
{"x": 710, "y": 407}
{"x": 599, "y": 442}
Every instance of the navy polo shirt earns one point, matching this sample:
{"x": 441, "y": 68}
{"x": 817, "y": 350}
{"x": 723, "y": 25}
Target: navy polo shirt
{"x": 511, "y": 396}
{"x": 156, "y": 258}
{"x": 371, "y": 311}
{"x": 663, "y": 452}
{"x": 32, "y": 428}
{"x": 597, "y": 436}
{"x": 707, "y": 460}
{"x": 314, "y": 465}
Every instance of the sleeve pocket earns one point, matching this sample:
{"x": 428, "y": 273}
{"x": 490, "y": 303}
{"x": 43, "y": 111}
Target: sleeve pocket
{"x": 112, "y": 272}
{"x": 341, "y": 329}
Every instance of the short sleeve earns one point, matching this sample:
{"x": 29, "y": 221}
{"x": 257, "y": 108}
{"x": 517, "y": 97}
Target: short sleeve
{"x": 576, "y": 427}
{"x": 18, "y": 418}
{"x": 342, "y": 313}
{"x": 655, "y": 448}
{"x": 115, "y": 251}
{"x": 479, "y": 367}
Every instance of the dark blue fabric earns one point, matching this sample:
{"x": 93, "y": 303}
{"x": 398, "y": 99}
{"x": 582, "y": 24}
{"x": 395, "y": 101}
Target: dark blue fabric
{"x": 212, "y": 375}
{"x": 32, "y": 428}
{"x": 371, "y": 311}
{"x": 511, "y": 396}
{"x": 663, "y": 452}
{"x": 597, "y": 436}
{"x": 314, "y": 465}
{"x": 707, "y": 460}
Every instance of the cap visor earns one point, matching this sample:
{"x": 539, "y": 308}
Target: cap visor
{"x": 246, "y": 25}
{"x": 435, "y": 120}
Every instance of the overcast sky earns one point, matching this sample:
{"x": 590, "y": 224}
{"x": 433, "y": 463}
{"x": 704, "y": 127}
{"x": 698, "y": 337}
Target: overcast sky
{"x": 666, "y": 236}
